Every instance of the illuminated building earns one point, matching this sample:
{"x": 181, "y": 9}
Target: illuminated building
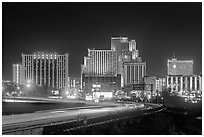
{"x": 179, "y": 67}
{"x": 112, "y": 69}
{"x": 100, "y": 63}
{"x": 100, "y": 66}
{"x": 180, "y": 76}
{"x": 150, "y": 84}
{"x": 134, "y": 72}
{"x": 134, "y": 69}
{"x": 160, "y": 84}
{"x": 17, "y": 73}
{"x": 129, "y": 64}
{"x": 48, "y": 69}
{"x": 121, "y": 46}
{"x": 184, "y": 83}
{"x": 75, "y": 82}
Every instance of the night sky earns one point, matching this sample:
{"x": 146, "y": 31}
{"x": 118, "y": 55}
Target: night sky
{"x": 160, "y": 30}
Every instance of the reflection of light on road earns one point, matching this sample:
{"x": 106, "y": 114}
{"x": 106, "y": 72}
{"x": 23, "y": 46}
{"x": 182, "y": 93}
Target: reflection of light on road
{"x": 73, "y": 114}
{"x": 98, "y": 110}
{"x": 58, "y": 112}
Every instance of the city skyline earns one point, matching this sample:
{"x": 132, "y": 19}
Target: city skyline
{"x": 160, "y": 29}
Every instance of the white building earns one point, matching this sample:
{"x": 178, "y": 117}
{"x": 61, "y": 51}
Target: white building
{"x": 17, "y": 73}
{"x": 184, "y": 83}
{"x": 48, "y": 69}
{"x": 100, "y": 63}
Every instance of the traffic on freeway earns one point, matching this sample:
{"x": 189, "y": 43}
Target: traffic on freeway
{"x": 47, "y": 117}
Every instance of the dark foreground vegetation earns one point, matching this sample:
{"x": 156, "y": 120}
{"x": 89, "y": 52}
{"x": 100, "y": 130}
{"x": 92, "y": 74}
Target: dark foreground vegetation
{"x": 162, "y": 123}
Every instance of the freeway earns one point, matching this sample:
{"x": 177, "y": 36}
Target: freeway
{"x": 49, "y": 117}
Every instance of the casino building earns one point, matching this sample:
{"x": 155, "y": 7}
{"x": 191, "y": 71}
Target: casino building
{"x": 100, "y": 68}
{"x": 49, "y": 69}
{"x": 106, "y": 71}
{"x": 180, "y": 76}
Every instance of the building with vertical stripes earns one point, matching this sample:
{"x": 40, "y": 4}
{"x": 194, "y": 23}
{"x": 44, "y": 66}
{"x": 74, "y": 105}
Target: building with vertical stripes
{"x": 50, "y": 69}
{"x": 160, "y": 84}
{"x": 180, "y": 76}
{"x": 134, "y": 72}
{"x": 100, "y": 68}
{"x": 179, "y": 83}
{"x": 115, "y": 68}
{"x": 100, "y": 63}
{"x": 129, "y": 64}
{"x": 17, "y": 73}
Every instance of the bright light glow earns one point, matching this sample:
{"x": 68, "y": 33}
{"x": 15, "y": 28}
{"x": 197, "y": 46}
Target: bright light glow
{"x": 67, "y": 92}
{"x": 96, "y": 86}
{"x": 174, "y": 66}
{"x": 28, "y": 85}
{"x": 18, "y": 87}
{"x": 29, "y": 81}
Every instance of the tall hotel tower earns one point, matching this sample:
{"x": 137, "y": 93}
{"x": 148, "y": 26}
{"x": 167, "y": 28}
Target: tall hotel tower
{"x": 99, "y": 68}
{"x": 48, "y": 69}
{"x": 129, "y": 65}
{"x": 100, "y": 63}
{"x": 17, "y": 73}
{"x": 121, "y": 46}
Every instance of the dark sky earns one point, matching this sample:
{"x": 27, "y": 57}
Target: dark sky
{"x": 159, "y": 29}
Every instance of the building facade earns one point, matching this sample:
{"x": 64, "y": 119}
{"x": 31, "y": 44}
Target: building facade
{"x": 179, "y": 67}
{"x": 160, "y": 84}
{"x": 100, "y": 63}
{"x": 121, "y": 46}
{"x": 129, "y": 64}
{"x": 17, "y": 73}
{"x": 180, "y": 76}
{"x": 48, "y": 69}
{"x": 184, "y": 83}
{"x": 112, "y": 69}
{"x": 134, "y": 72}
{"x": 150, "y": 84}
{"x": 100, "y": 67}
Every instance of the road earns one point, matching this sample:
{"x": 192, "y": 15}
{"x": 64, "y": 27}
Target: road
{"x": 40, "y": 118}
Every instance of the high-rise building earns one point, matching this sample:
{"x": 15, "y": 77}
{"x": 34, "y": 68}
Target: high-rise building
{"x": 121, "y": 46}
{"x": 17, "y": 73}
{"x": 48, "y": 69}
{"x": 179, "y": 67}
{"x": 134, "y": 72}
{"x": 100, "y": 62}
{"x": 100, "y": 68}
{"x": 113, "y": 69}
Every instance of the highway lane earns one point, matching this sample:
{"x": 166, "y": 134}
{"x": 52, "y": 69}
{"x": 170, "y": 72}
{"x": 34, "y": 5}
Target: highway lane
{"x": 62, "y": 115}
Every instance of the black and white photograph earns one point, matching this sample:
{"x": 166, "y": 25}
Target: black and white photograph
{"x": 101, "y": 68}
